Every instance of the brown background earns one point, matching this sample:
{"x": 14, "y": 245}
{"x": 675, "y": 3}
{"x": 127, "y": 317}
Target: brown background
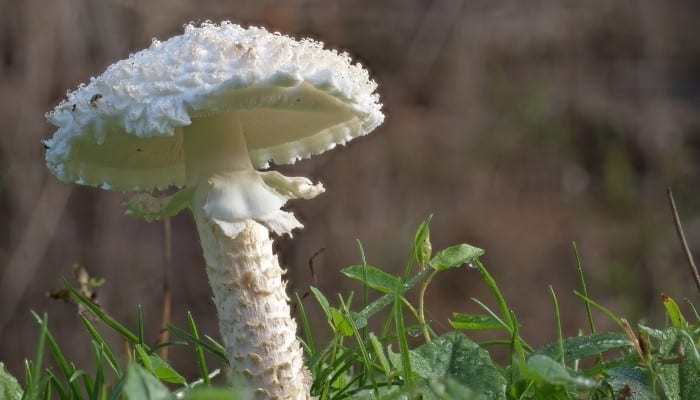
{"x": 522, "y": 126}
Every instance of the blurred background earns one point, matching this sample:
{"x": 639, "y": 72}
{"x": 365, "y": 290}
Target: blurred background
{"x": 521, "y": 126}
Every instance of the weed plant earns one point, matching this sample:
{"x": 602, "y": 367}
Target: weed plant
{"x": 641, "y": 362}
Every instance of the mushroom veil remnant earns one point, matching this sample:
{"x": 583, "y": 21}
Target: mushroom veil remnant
{"x": 204, "y": 111}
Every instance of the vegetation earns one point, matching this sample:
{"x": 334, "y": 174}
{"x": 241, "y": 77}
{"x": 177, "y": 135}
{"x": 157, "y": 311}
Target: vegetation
{"x": 359, "y": 363}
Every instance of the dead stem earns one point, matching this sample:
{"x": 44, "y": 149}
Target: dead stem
{"x": 681, "y": 236}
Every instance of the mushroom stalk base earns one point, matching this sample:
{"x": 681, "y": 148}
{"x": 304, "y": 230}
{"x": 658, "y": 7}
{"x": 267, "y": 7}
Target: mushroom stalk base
{"x": 253, "y": 309}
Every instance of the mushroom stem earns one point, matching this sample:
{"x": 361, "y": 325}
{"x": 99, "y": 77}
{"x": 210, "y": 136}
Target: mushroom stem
{"x": 235, "y": 208}
{"x": 253, "y": 309}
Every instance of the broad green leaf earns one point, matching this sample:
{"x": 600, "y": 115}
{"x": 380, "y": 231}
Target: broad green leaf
{"x": 322, "y": 301}
{"x": 674, "y": 313}
{"x": 9, "y": 387}
{"x": 554, "y": 373}
{"x": 669, "y": 380}
{"x": 447, "y": 388}
{"x": 455, "y": 256}
{"x": 164, "y": 371}
{"x": 630, "y": 380}
{"x": 141, "y": 385}
{"x": 360, "y": 318}
{"x": 474, "y": 322}
{"x": 453, "y": 356}
{"x": 376, "y": 278}
{"x": 667, "y": 371}
{"x": 394, "y": 392}
{"x": 340, "y": 322}
{"x": 578, "y": 347}
{"x": 657, "y": 334}
{"x": 689, "y": 379}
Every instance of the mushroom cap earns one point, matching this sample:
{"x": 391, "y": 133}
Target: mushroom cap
{"x": 123, "y": 130}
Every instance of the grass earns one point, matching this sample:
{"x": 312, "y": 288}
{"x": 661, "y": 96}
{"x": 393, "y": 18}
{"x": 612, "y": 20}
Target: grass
{"x": 639, "y": 362}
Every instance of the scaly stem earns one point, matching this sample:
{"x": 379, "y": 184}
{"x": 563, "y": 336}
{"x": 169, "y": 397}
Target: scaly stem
{"x": 235, "y": 208}
{"x": 253, "y": 309}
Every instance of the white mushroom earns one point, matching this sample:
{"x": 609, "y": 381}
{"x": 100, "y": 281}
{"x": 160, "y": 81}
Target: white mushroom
{"x": 202, "y": 111}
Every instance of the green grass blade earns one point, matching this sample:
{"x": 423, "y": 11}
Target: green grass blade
{"x": 600, "y": 308}
{"x": 209, "y": 345}
{"x": 115, "y": 393}
{"x": 305, "y": 326}
{"x": 343, "y": 392}
{"x": 139, "y": 324}
{"x": 145, "y": 360}
{"x": 53, "y": 382}
{"x": 315, "y": 362}
{"x": 104, "y": 348}
{"x": 584, "y": 290}
{"x": 493, "y": 287}
{"x": 493, "y": 315}
{"x": 98, "y": 357}
{"x": 557, "y": 325}
{"x": 67, "y": 369}
{"x": 104, "y": 317}
{"x": 365, "y": 287}
{"x": 403, "y": 341}
{"x": 365, "y": 302}
{"x": 366, "y": 361}
{"x": 693, "y": 309}
{"x": 47, "y": 391}
{"x": 327, "y": 362}
{"x": 203, "y": 369}
{"x": 511, "y": 332}
{"x": 35, "y": 371}
{"x": 214, "y": 344}
{"x": 169, "y": 343}
{"x": 340, "y": 368}
{"x": 379, "y": 352}
{"x": 86, "y": 379}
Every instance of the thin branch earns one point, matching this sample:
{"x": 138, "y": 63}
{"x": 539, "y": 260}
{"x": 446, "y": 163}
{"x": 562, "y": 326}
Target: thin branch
{"x": 314, "y": 281}
{"x": 681, "y": 236}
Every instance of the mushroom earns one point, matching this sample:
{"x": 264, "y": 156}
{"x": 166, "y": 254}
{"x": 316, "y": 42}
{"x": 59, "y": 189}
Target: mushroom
{"x": 203, "y": 111}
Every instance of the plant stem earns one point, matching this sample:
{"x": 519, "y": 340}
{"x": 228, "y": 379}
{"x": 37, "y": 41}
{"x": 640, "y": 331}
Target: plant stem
{"x": 421, "y": 305}
{"x": 681, "y": 236}
{"x": 164, "y": 334}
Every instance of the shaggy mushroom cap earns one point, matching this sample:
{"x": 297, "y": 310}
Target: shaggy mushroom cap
{"x": 124, "y": 130}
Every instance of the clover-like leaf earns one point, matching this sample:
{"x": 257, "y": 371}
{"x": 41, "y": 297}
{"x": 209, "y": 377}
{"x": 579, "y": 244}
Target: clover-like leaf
{"x": 455, "y": 256}
{"x": 372, "y": 277}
